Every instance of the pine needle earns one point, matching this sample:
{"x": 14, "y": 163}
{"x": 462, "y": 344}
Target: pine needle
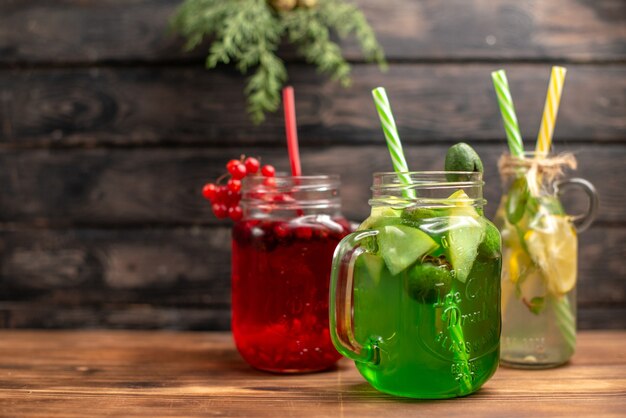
{"x": 247, "y": 33}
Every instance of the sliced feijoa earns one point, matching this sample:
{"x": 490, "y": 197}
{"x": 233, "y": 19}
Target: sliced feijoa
{"x": 416, "y": 214}
{"x": 372, "y": 264}
{"x": 491, "y": 245}
{"x": 401, "y": 245}
{"x": 426, "y": 280}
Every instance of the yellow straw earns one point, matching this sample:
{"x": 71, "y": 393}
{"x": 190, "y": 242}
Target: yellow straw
{"x": 550, "y": 110}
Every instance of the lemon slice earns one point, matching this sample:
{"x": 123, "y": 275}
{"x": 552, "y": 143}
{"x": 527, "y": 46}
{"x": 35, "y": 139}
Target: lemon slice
{"x": 553, "y": 247}
{"x": 516, "y": 264}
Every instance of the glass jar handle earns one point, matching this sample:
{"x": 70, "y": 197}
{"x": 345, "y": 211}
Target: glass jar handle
{"x": 341, "y": 299}
{"x": 583, "y": 221}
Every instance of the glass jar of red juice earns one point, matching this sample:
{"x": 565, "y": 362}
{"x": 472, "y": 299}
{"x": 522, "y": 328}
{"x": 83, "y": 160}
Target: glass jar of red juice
{"x": 282, "y": 253}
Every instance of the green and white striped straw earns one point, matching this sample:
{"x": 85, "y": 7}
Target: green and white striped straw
{"x": 513, "y": 135}
{"x": 393, "y": 139}
{"x": 566, "y": 320}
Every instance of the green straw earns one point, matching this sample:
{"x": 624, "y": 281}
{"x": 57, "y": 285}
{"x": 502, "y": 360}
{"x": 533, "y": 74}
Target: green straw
{"x": 393, "y": 139}
{"x": 565, "y": 320}
{"x": 399, "y": 165}
{"x": 507, "y": 110}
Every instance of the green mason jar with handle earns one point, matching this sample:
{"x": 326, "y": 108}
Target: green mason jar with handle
{"x": 415, "y": 291}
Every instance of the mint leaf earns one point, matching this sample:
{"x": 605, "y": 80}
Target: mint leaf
{"x": 536, "y": 304}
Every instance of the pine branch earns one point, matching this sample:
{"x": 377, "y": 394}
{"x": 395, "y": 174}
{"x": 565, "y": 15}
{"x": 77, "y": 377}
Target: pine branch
{"x": 346, "y": 19}
{"x": 247, "y": 33}
{"x": 305, "y": 29}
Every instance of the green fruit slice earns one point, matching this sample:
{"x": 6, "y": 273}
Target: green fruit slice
{"x": 461, "y": 205}
{"x": 465, "y": 232}
{"x": 401, "y": 245}
{"x": 372, "y": 264}
{"x": 381, "y": 216}
{"x": 416, "y": 214}
{"x": 516, "y": 200}
{"x": 463, "y": 238}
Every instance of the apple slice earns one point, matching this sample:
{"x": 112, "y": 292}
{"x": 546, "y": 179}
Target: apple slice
{"x": 401, "y": 245}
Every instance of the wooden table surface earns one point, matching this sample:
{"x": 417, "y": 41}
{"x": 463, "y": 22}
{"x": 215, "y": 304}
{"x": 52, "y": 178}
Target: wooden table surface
{"x": 128, "y": 373}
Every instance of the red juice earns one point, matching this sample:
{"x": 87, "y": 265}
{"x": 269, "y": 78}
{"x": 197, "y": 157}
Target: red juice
{"x": 280, "y": 279}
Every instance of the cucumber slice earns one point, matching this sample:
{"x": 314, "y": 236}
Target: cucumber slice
{"x": 401, "y": 245}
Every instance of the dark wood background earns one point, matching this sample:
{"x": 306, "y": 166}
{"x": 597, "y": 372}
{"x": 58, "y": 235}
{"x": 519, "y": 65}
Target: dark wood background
{"x": 108, "y": 131}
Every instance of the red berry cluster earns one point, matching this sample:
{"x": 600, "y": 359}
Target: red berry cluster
{"x": 225, "y": 198}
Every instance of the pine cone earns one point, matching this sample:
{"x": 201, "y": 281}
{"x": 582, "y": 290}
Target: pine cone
{"x": 284, "y": 4}
{"x": 307, "y": 3}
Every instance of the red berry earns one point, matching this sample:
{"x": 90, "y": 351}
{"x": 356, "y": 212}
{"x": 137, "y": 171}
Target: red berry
{"x": 321, "y": 233}
{"x": 269, "y": 182}
{"x": 280, "y": 198}
{"x": 281, "y": 230}
{"x": 231, "y": 165}
{"x": 219, "y": 210}
{"x": 235, "y": 213}
{"x": 221, "y": 194}
{"x": 304, "y": 232}
{"x": 268, "y": 171}
{"x": 209, "y": 191}
{"x": 252, "y": 165}
{"x": 234, "y": 185}
{"x": 232, "y": 198}
{"x": 238, "y": 171}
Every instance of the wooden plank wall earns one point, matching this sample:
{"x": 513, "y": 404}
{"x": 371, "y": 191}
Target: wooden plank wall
{"x": 108, "y": 130}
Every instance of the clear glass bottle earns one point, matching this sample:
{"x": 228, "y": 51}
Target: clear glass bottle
{"x": 415, "y": 292}
{"x": 539, "y": 246}
{"x": 281, "y": 257}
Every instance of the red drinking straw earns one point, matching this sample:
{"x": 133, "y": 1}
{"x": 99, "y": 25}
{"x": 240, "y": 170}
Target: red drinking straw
{"x": 291, "y": 129}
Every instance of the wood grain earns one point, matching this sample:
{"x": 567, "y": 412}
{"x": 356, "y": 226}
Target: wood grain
{"x": 174, "y": 106}
{"x": 75, "y": 31}
{"x": 162, "y": 186}
{"x": 179, "y": 278}
{"x": 65, "y": 374}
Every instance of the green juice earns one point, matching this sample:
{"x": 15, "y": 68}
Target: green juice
{"x": 427, "y": 301}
